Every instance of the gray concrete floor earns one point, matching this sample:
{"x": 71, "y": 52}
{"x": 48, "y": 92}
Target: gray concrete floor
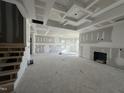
{"x": 70, "y": 74}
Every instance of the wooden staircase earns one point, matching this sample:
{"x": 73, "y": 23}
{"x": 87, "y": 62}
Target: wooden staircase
{"x": 10, "y": 60}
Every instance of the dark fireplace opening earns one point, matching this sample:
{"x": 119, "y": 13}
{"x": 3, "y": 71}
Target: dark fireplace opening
{"x": 100, "y": 57}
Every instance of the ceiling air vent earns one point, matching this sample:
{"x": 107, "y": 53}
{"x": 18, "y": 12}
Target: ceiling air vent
{"x": 37, "y": 21}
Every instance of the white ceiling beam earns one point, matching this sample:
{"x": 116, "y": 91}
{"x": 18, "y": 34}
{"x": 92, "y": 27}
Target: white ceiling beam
{"x": 62, "y": 12}
{"x": 112, "y": 24}
{"x": 49, "y": 6}
{"x": 87, "y": 11}
{"x": 93, "y": 3}
{"x": 84, "y": 18}
{"x": 116, "y": 4}
{"x": 108, "y": 16}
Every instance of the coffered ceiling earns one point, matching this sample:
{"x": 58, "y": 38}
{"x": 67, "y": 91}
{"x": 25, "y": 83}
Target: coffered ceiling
{"x": 73, "y": 15}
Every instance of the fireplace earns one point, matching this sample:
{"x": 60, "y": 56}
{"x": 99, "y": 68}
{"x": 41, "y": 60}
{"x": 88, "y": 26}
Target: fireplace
{"x": 100, "y": 57}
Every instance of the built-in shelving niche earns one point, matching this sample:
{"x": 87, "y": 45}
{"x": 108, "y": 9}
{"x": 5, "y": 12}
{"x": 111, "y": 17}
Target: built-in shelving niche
{"x": 101, "y": 35}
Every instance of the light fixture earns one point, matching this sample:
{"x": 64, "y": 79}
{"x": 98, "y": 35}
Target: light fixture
{"x": 75, "y": 14}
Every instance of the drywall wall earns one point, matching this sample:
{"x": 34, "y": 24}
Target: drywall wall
{"x": 112, "y": 44}
{"x": 53, "y": 44}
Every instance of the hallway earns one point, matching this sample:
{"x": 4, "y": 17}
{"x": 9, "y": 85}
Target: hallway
{"x": 70, "y": 74}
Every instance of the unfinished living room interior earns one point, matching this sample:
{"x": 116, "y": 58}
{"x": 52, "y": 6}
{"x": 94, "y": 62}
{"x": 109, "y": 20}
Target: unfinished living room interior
{"x": 61, "y": 46}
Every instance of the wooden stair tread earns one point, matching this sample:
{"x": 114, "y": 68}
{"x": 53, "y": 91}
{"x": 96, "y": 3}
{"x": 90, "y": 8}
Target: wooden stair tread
{"x": 12, "y": 44}
{"x": 10, "y": 57}
{"x": 9, "y": 64}
{"x": 3, "y": 73}
{"x": 11, "y": 51}
{"x": 7, "y": 82}
{"x": 9, "y": 87}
